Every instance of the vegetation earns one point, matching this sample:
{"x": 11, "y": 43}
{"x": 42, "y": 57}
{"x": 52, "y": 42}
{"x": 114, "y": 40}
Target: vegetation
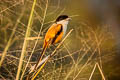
{"x": 89, "y": 51}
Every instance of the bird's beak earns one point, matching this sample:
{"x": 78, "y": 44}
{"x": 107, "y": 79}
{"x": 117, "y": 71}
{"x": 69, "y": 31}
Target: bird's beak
{"x": 69, "y": 19}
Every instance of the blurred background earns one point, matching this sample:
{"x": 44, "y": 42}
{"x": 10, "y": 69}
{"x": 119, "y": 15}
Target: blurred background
{"x": 95, "y": 38}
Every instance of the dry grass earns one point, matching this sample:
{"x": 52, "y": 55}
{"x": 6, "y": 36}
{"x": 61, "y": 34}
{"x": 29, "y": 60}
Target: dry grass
{"x": 84, "y": 51}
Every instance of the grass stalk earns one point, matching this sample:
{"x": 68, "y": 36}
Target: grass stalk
{"x": 97, "y": 65}
{"x": 92, "y": 72}
{"x": 101, "y": 71}
{"x": 36, "y": 40}
{"x": 25, "y": 41}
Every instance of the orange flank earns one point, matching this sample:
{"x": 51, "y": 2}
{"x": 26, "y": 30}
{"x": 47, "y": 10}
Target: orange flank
{"x": 53, "y": 35}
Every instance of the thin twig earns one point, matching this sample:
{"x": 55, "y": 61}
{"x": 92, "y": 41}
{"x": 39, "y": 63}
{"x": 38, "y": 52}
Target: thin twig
{"x": 9, "y": 7}
{"x": 69, "y": 53}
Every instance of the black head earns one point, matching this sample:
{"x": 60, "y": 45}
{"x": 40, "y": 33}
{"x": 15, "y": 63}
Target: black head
{"x": 61, "y": 17}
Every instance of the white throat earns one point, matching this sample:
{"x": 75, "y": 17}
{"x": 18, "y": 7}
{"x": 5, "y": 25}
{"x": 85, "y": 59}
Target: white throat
{"x": 64, "y": 24}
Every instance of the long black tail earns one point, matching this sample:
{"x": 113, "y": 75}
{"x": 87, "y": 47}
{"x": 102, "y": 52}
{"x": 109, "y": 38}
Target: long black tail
{"x": 41, "y": 56}
{"x": 33, "y": 68}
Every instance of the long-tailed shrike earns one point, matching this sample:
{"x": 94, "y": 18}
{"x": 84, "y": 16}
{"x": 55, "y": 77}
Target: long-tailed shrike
{"x": 54, "y": 34}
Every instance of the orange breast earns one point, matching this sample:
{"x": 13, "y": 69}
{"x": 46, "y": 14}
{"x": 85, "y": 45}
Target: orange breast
{"x": 51, "y": 34}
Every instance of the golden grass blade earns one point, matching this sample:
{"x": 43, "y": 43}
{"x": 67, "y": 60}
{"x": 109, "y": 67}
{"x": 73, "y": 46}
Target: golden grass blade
{"x": 39, "y": 70}
{"x": 92, "y": 72}
{"x": 25, "y": 41}
{"x": 33, "y": 38}
{"x": 97, "y": 65}
{"x": 101, "y": 72}
{"x": 42, "y": 23}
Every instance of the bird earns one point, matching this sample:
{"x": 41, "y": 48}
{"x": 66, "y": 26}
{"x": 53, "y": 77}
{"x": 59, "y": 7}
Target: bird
{"x": 55, "y": 34}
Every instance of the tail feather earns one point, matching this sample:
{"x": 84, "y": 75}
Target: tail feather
{"x": 39, "y": 64}
{"x": 41, "y": 56}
